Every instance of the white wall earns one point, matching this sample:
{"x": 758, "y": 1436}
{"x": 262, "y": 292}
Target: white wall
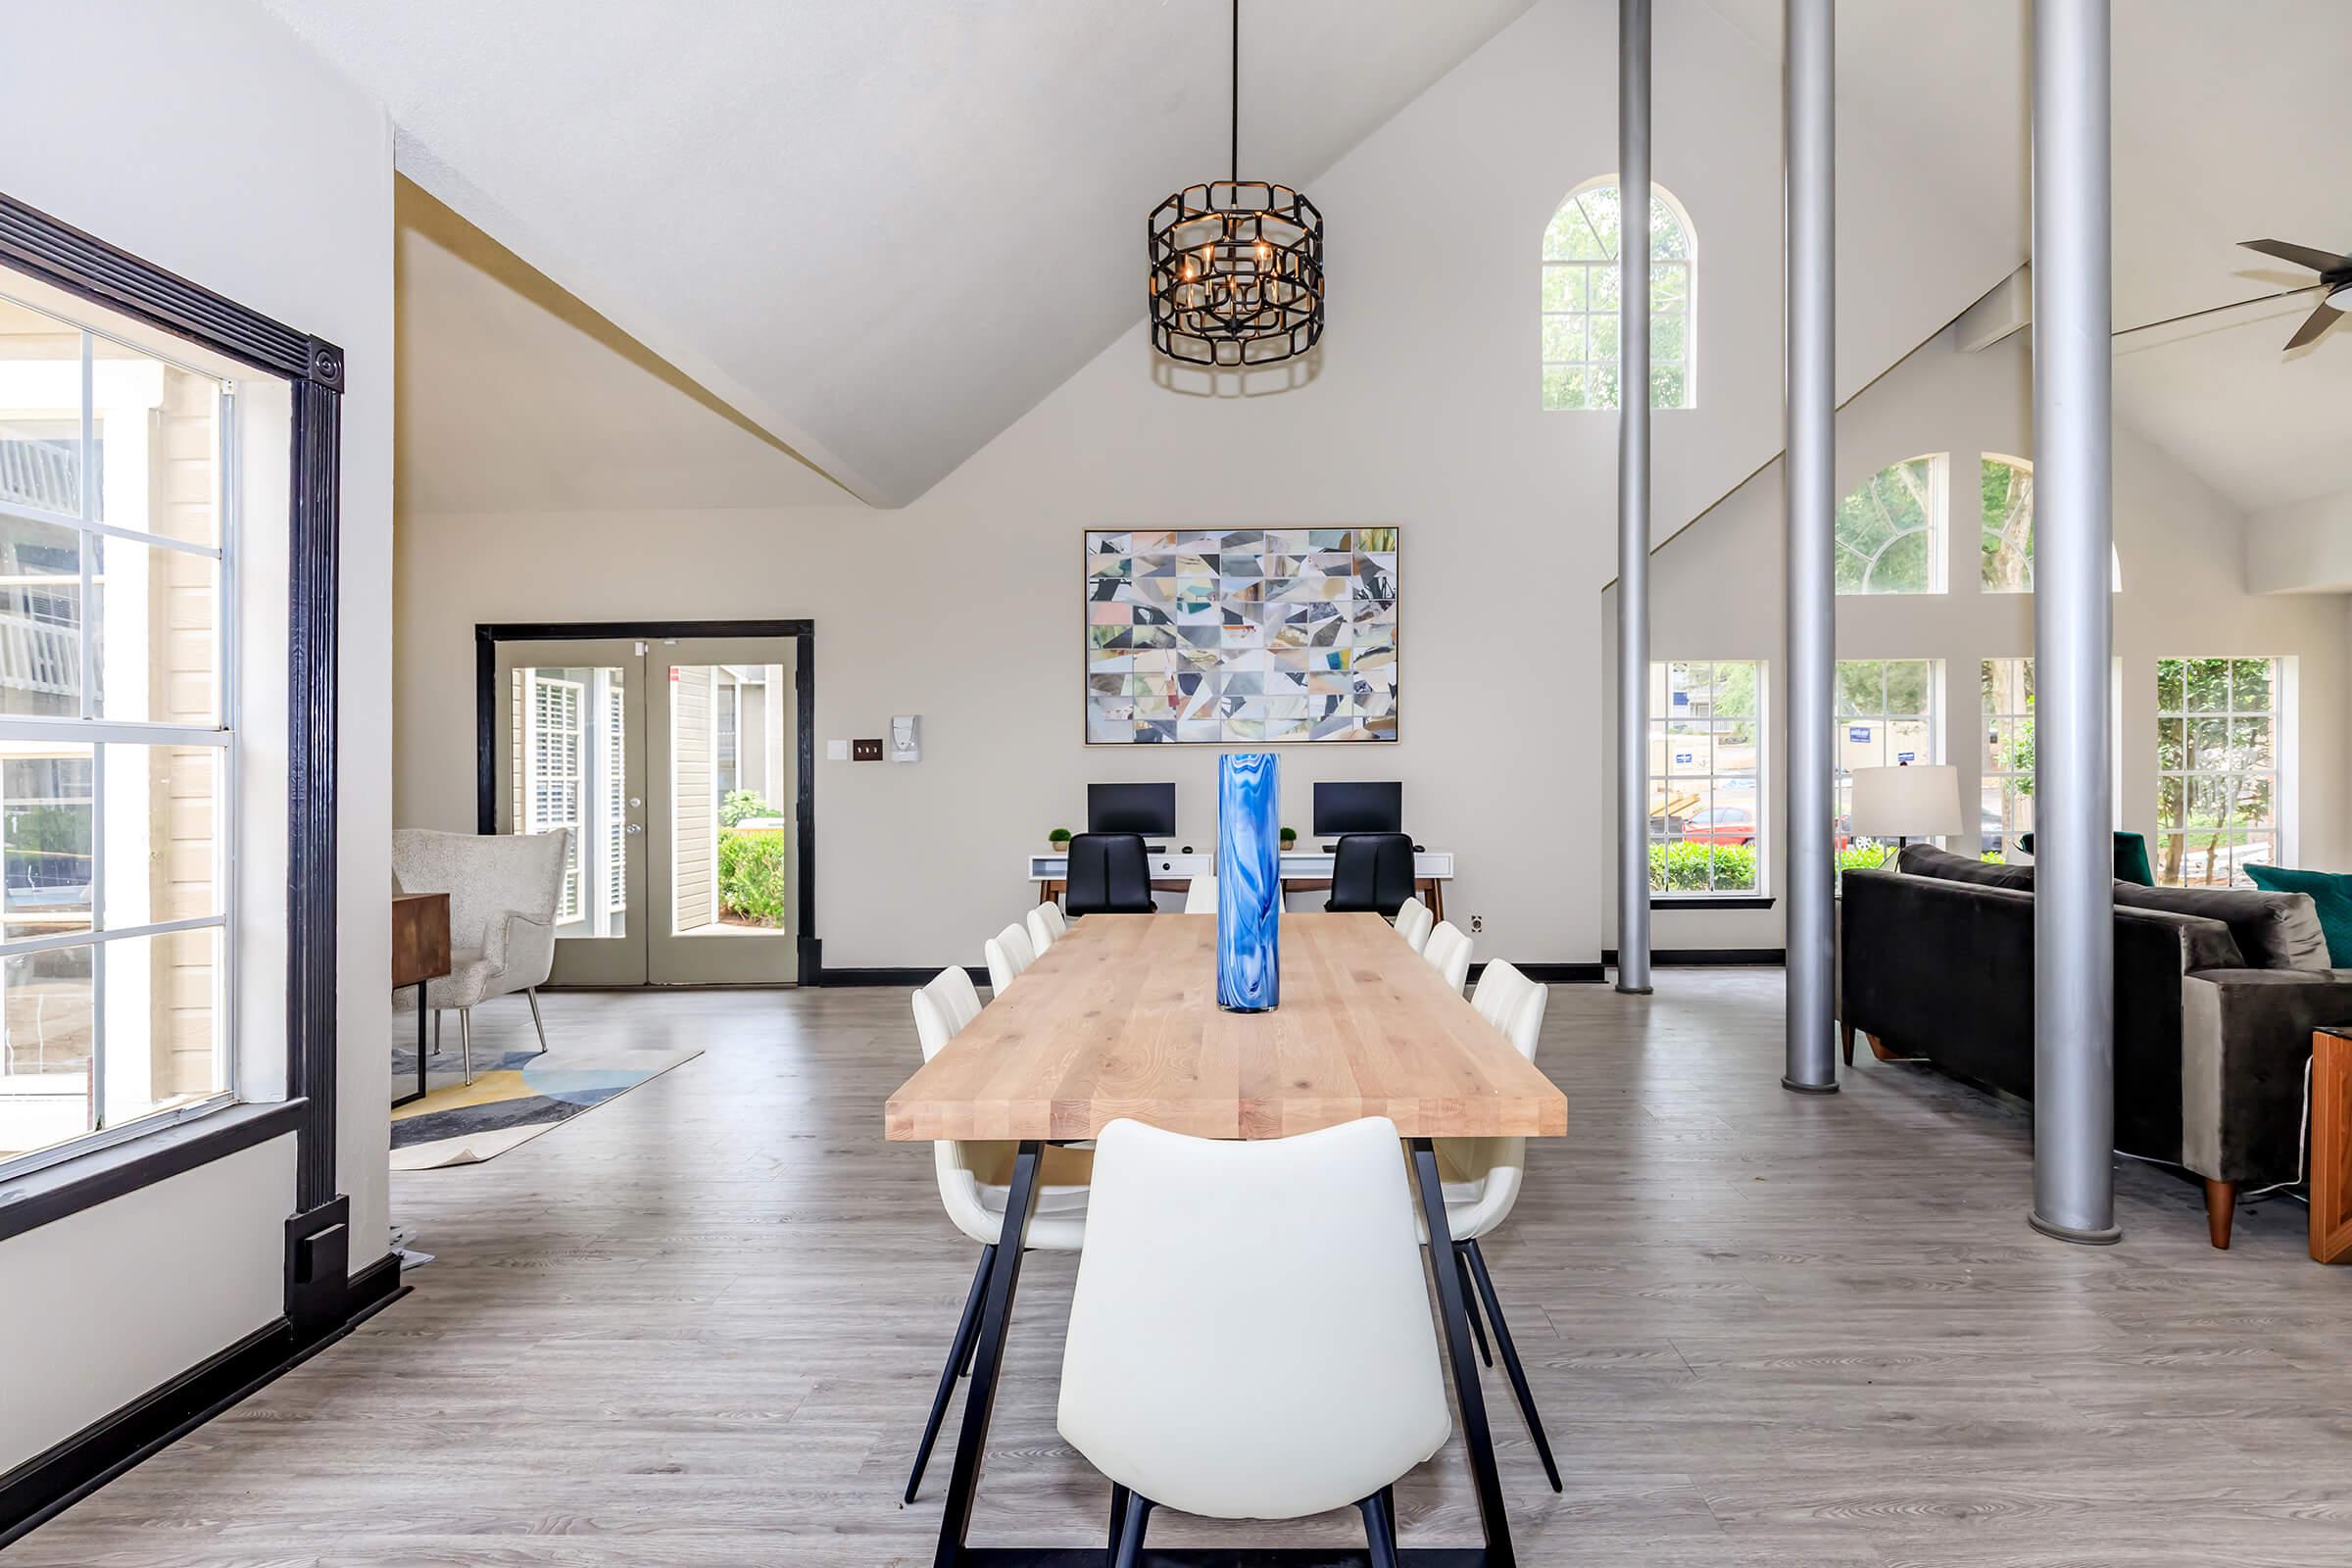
{"x": 1421, "y": 412}
{"x": 1718, "y": 592}
{"x": 203, "y": 137}
{"x": 2303, "y": 548}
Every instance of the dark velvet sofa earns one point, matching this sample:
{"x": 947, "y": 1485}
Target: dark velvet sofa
{"x": 2217, "y": 992}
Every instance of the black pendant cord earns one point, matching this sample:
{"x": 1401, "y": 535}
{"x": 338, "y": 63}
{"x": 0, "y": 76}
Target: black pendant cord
{"x": 1236, "y": 99}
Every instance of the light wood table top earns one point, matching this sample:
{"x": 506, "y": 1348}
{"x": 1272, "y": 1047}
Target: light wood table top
{"x": 1120, "y": 1018}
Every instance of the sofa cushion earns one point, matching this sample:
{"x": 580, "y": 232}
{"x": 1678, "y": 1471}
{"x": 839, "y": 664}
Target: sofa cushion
{"x": 2273, "y": 930}
{"x": 1925, "y": 859}
{"x": 2330, "y": 894}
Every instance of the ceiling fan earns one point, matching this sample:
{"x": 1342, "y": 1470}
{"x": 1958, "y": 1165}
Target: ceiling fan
{"x": 2336, "y": 277}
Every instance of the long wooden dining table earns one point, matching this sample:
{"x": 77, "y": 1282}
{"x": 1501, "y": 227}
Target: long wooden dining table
{"x": 1119, "y": 1020}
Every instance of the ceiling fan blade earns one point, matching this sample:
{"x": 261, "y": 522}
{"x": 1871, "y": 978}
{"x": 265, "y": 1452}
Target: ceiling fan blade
{"x": 2322, "y": 317}
{"x": 2300, "y": 255}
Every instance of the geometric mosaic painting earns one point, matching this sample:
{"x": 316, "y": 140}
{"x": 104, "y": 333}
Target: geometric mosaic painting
{"x": 1226, "y": 635}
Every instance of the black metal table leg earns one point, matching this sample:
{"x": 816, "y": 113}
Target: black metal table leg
{"x": 410, "y": 1099}
{"x": 1002, "y": 1276}
{"x": 1466, "y": 1392}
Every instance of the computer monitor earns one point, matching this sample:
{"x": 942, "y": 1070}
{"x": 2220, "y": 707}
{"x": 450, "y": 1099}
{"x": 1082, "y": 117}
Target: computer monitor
{"x": 1146, "y": 808}
{"x": 1355, "y": 807}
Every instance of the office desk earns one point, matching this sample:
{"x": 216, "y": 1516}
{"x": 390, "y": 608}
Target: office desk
{"x": 1302, "y": 870}
{"x": 1120, "y": 1018}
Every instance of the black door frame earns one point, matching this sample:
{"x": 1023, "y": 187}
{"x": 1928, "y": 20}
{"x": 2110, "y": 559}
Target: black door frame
{"x": 488, "y": 635}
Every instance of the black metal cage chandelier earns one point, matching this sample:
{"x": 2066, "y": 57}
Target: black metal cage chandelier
{"x": 1237, "y": 268}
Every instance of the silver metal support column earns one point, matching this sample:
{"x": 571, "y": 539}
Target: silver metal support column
{"x": 1633, "y": 495}
{"x": 2074, "y": 632}
{"x": 1808, "y": 471}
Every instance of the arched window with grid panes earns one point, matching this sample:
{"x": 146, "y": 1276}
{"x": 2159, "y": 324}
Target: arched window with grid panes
{"x": 1579, "y": 365}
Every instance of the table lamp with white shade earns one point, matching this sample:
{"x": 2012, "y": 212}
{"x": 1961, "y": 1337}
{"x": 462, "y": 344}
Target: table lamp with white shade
{"x": 1906, "y": 802}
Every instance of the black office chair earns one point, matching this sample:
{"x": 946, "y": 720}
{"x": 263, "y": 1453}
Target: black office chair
{"x": 1371, "y": 872}
{"x": 1108, "y": 875}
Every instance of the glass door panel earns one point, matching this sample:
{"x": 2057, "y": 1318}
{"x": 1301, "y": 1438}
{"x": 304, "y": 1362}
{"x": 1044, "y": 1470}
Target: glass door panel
{"x": 725, "y": 766}
{"x": 570, "y": 755}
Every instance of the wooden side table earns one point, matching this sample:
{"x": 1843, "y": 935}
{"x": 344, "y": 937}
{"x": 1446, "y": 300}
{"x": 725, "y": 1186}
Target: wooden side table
{"x": 419, "y": 954}
{"x": 2331, "y": 1145}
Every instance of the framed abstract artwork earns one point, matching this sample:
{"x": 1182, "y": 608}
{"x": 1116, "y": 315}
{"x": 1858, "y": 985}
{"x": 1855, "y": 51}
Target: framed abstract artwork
{"x": 1225, "y": 636}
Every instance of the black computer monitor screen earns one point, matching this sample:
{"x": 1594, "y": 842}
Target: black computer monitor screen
{"x": 1356, "y": 807}
{"x": 1146, "y": 808}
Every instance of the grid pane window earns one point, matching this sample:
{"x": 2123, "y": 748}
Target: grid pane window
{"x": 2217, "y": 769}
{"x": 1889, "y": 530}
{"x": 1706, "y": 804}
{"x": 116, "y": 742}
{"x": 1580, "y": 320}
{"x": 2007, "y": 769}
{"x": 1886, "y": 716}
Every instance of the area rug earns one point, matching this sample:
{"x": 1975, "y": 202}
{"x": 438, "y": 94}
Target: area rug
{"x": 513, "y": 1099}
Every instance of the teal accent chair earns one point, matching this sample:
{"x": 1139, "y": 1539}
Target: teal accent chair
{"x": 2132, "y": 863}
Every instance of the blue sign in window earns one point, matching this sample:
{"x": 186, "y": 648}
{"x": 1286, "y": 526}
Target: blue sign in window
{"x": 1857, "y": 733}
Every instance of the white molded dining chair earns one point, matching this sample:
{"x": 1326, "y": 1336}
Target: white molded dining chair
{"x": 1040, "y": 930}
{"x": 975, "y": 1183}
{"x": 1250, "y": 1335}
{"x": 1482, "y": 1177}
{"x": 1449, "y": 953}
{"x": 1201, "y": 896}
{"x": 1055, "y": 921}
{"x": 1413, "y": 922}
{"x": 1008, "y": 954}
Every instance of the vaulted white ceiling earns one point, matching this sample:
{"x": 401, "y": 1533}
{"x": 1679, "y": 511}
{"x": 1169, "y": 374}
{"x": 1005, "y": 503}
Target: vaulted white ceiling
{"x": 882, "y": 229}
{"x": 2229, "y": 125}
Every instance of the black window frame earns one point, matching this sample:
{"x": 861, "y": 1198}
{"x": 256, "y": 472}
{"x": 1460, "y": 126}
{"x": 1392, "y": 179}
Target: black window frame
{"x": 56, "y": 253}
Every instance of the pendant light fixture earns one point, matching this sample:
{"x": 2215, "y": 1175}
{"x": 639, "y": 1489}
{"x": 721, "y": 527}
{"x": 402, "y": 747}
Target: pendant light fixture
{"x": 1237, "y": 268}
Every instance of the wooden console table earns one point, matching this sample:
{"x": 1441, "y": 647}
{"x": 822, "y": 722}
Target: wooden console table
{"x": 420, "y": 955}
{"x": 2331, "y": 1145}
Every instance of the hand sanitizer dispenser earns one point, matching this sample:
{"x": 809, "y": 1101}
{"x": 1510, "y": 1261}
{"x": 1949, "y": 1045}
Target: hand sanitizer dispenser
{"x": 906, "y": 738}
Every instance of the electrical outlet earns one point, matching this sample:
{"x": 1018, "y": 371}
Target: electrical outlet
{"x": 866, "y": 751}
{"x": 1478, "y": 922}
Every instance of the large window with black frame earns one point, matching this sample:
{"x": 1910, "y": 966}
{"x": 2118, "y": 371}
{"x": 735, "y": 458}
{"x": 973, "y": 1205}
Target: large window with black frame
{"x": 118, "y": 729}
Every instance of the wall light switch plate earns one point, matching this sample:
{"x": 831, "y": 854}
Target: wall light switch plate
{"x": 866, "y": 751}
{"x": 837, "y": 751}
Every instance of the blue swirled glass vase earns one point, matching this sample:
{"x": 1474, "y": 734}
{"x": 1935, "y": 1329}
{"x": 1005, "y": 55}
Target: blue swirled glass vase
{"x": 1248, "y": 883}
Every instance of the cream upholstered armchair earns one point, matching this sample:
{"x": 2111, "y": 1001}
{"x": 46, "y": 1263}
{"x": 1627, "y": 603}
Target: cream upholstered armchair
{"x": 503, "y": 892}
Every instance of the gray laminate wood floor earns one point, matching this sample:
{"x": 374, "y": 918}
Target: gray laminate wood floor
{"x": 700, "y": 1325}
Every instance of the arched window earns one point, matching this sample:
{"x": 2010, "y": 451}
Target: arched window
{"x": 2005, "y": 508}
{"x": 1580, "y": 301}
{"x": 1891, "y": 530}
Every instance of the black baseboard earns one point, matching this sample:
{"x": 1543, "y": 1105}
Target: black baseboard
{"x": 907, "y": 977}
{"x": 1553, "y": 975}
{"x": 1706, "y": 957}
{"x": 46, "y": 1485}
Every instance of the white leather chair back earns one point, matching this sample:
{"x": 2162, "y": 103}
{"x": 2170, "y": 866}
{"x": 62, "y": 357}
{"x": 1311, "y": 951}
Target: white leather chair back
{"x": 1040, "y": 930}
{"x": 1497, "y": 1166}
{"x": 1055, "y": 921}
{"x": 972, "y": 1175}
{"x": 943, "y": 1007}
{"x": 1413, "y": 921}
{"x": 1008, "y": 954}
{"x": 1251, "y": 1336}
{"x": 1513, "y": 1004}
{"x": 1200, "y": 897}
{"x": 1449, "y": 953}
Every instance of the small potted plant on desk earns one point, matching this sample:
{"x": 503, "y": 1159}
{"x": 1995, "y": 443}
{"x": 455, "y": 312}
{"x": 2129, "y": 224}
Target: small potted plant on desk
{"x": 1289, "y": 839}
{"x": 1057, "y": 842}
